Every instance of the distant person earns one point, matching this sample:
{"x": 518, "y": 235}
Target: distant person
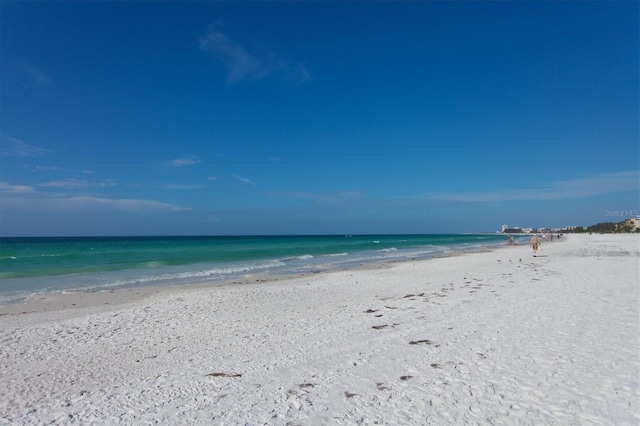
{"x": 534, "y": 243}
{"x": 511, "y": 240}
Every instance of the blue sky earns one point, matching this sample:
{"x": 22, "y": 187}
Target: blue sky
{"x": 238, "y": 118}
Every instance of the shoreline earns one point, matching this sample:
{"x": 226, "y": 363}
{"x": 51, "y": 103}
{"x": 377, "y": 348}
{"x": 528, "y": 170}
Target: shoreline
{"x": 79, "y": 299}
{"x": 103, "y": 264}
{"x": 488, "y": 337}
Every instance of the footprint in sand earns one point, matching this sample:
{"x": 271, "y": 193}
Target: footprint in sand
{"x": 306, "y": 386}
{"x": 224, "y": 375}
{"x": 380, "y": 327}
{"x": 381, "y": 386}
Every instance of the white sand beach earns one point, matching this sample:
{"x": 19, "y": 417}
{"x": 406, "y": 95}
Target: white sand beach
{"x": 496, "y": 337}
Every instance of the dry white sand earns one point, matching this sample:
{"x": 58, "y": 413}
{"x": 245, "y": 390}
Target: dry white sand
{"x": 490, "y": 338}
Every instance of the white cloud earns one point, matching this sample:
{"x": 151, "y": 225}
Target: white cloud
{"x": 83, "y": 204}
{"x": 13, "y": 147}
{"x": 47, "y": 169}
{"x": 15, "y": 189}
{"x": 77, "y": 183}
{"x": 186, "y": 160}
{"x": 244, "y": 180}
{"x": 250, "y": 64}
{"x": 25, "y": 198}
{"x": 128, "y": 205}
{"x": 240, "y": 63}
{"x": 38, "y": 168}
{"x": 66, "y": 183}
{"x": 587, "y": 186}
{"x": 212, "y": 178}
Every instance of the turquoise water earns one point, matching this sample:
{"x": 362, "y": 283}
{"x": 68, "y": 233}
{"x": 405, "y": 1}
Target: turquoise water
{"x": 36, "y": 265}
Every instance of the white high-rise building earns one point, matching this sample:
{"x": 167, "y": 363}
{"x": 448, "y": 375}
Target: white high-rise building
{"x": 505, "y": 227}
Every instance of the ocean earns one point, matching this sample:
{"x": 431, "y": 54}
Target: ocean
{"x": 31, "y": 266}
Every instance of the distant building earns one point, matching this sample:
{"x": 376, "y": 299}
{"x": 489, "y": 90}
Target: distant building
{"x": 505, "y": 227}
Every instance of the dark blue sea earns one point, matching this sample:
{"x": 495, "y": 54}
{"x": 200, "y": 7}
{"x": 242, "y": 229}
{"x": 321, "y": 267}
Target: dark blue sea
{"x": 41, "y": 265}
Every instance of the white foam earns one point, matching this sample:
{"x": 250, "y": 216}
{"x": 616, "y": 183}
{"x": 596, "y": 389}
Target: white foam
{"x": 337, "y": 254}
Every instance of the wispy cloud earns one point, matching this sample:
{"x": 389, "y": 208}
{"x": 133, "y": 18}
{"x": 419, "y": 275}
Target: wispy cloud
{"x": 13, "y": 147}
{"x": 186, "y": 160}
{"x": 49, "y": 197}
{"x": 16, "y": 202}
{"x": 587, "y": 186}
{"x": 126, "y": 205}
{"x": 15, "y": 189}
{"x": 183, "y": 187}
{"x": 78, "y": 183}
{"x": 244, "y": 180}
{"x": 46, "y": 168}
{"x": 335, "y": 197}
{"x": 34, "y": 74}
{"x": 301, "y": 73}
{"x": 38, "y": 168}
{"x": 250, "y": 64}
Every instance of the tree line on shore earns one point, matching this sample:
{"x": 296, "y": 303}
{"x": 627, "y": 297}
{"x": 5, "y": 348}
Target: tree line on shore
{"x": 626, "y": 226}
